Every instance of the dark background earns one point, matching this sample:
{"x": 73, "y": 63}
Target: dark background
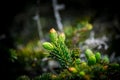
{"x": 11, "y": 8}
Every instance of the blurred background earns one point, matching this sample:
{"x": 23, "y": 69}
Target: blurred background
{"x": 28, "y": 21}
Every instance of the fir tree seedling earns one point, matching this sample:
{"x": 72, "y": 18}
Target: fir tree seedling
{"x": 72, "y": 66}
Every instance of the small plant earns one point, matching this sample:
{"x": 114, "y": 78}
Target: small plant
{"x": 58, "y": 49}
{"x": 95, "y": 66}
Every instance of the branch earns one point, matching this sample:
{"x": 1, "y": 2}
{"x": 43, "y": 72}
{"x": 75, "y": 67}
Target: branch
{"x": 56, "y": 8}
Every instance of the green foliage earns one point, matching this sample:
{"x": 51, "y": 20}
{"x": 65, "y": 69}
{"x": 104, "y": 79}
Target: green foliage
{"x": 29, "y": 56}
{"x": 59, "y": 51}
{"x": 94, "y": 67}
{"x": 72, "y": 67}
{"x": 28, "y": 52}
{"x": 77, "y": 33}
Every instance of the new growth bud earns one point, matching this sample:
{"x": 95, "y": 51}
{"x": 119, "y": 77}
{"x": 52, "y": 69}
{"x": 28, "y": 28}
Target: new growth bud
{"x": 88, "y": 53}
{"x": 53, "y": 35}
{"x": 90, "y": 57}
{"x": 91, "y": 60}
{"x": 82, "y": 73}
{"x": 98, "y": 56}
{"x": 62, "y": 37}
{"x": 48, "y": 46}
{"x": 72, "y": 69}
{"x": 83, "y": 64}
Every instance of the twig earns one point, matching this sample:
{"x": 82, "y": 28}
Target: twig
{"x": 37, "y": 18}
{"x": 56, "y": 8}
